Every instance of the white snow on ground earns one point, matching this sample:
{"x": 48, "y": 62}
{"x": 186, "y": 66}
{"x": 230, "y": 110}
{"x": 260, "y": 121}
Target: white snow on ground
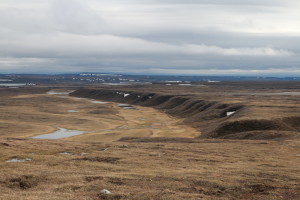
{"x": 16, "y": 160}
{"x": 73, "y": 111}
{"x": 230, "y": 113}
{"x": 100, "y": 102}
{"x": 60, "y": 133}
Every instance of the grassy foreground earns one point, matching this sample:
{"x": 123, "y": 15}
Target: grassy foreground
{"x": 204, "y": 169}
{"x": 80, "y": 167}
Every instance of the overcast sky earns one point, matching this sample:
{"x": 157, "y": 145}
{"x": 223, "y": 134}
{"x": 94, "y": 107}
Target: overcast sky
{"x": 251, "y": 37}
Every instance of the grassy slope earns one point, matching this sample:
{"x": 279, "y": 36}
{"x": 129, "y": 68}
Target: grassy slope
{"x": 202, "y": 169}
{"x": 263, "y": 111}
{"x": 208, "y": 169}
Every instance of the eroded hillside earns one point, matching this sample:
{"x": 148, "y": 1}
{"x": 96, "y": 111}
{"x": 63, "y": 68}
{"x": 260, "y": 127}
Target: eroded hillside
{"x": 267, "y": 116}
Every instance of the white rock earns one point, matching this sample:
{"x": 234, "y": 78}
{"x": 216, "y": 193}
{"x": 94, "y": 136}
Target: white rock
{"x": 105, "y": 191}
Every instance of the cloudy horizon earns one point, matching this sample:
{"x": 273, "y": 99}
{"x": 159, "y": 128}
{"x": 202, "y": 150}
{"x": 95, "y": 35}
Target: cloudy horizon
{"x": 190, "y": 37}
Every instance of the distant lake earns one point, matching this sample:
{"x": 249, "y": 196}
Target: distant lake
{"x": 13, "y": 84}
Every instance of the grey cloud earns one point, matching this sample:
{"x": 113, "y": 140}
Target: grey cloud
{"x": 216, "y": 2}
{"x": 81, "y": 45}
{"x": 24, "y": 21}
{"x": 75, "y": 16}
{"x": 150, "y": 36}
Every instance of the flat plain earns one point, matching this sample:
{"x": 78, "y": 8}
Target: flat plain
{"x": 151, "y": 152}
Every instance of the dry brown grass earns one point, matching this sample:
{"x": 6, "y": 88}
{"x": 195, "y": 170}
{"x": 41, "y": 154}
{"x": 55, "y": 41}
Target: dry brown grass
{"x": 206, "y": 169}
{"x": 34, "y": 114}
{"x": 137, "y": 169}
{"x": 262, "y": 110}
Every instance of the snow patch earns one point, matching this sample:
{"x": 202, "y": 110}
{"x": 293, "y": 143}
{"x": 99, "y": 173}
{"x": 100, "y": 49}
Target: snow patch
{"x": 59, "y": 134}
{"x": 73, "y": 111}
{"x": 230, "y": 113}
{"x": 17, "y": 160}
{"x": 100, "y": 102}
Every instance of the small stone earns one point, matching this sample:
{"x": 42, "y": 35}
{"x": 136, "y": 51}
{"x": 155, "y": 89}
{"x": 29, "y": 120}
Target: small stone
{"x": 105, "y": 191}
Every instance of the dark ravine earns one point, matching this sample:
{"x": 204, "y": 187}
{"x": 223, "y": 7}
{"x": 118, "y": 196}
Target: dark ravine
{"x": 208, "y": 116}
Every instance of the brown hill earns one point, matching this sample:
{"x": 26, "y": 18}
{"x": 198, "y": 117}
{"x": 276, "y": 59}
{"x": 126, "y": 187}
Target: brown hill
{"x": 214, "y": 119}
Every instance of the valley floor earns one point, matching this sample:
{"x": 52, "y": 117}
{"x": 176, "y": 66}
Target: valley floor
{"x": 174, "y": 165}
